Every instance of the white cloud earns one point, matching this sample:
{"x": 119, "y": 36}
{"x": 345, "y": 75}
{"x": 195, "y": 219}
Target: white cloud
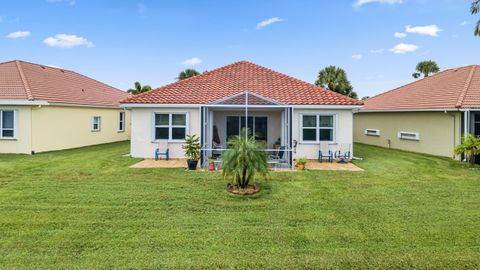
{"x": 464, "y": 23}
{"x": 427, "y": 30}
{"x": 377, "y": 51}
{"x": 403, "y": 48}
{"x": 360, "y": 3}
{"x": 18, "y": 34}
{"x": 69, "y": 2}
{"x": 357, "y": 56}
{"x": 399, "y": 35}
{"x": 267, "y": 22}
{"x": 192, "y": 61}
{"x": 67, "y": 41}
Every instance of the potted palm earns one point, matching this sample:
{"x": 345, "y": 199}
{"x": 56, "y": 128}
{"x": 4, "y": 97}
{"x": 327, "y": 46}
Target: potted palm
{"x": 245, "y": 159}
{"x": 192, "y": 151}
{"x": 301, "y": 162}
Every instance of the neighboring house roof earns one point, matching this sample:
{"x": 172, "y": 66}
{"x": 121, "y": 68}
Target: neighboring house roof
{"x": 241, "y": 77}
{"x": 455, "y": 88}
{"x": 23, "y": 81}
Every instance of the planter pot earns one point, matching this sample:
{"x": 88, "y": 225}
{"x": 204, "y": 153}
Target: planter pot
{"x": 192, "y": 164}
{"x": 301, "y": 167}
{"x": 211, "y": 167}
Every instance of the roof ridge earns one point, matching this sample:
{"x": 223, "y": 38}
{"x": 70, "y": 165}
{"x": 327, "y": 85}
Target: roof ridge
{"x": 24, "y": 80}
{"x": 462, "y": 95}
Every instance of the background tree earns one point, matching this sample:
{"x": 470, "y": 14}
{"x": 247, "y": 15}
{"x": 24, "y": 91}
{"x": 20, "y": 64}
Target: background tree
{"x": 187, "y": 73}
{"x": 139, "y": 89}
{"x": 426, "y": 68}
{"x": 335, "y": 79}
{"x": 365, "y": 97}
{"x": 475, "y": 9}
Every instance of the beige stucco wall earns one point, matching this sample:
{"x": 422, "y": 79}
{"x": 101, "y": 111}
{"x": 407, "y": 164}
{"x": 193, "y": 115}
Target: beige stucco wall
{"x": 439, "y": 131}
{"x": 273, "y": 121}
{"x": 61, "y": 127}
{"x": 142, "y": 140}
{"x": 21, "y": 144}
{"x": 343, "y": 132}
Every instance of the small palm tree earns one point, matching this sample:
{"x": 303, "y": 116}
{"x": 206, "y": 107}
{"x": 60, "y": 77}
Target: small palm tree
{"x": 335, "y": 79}
{"x": 474, "y": 9}
{"x": 187, "y": 73}
{"x": 426, "y": 68}
{"x": 470, "y": 147}
{"x": 244, "y": 159}
{"x": 139, "y": 89}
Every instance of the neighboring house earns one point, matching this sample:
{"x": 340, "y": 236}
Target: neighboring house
{"x": 281, "y": 111}
{"x": 427, "y": 116}
{"x": 44, "y": 109}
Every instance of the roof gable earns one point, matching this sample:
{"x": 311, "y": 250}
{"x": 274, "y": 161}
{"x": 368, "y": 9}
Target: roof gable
{"x": 241, "y": 77}
{"x": 21, "y": 80}
{"x": 449, "y": 89}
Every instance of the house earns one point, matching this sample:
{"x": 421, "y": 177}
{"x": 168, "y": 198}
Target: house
{"x": 280, "y": 110}
{"x": 427, "y": 116}
{"x": 44, "y": 108}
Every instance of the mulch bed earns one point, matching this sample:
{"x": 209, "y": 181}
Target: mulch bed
{"x": 248, "y": 190}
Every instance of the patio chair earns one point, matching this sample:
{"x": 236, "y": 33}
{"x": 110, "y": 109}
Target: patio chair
{"x": 344, "y": 152}
{"x": 325, "y": 152}
{"x": 278, "y": 158}
{"x": 159, "y": 153}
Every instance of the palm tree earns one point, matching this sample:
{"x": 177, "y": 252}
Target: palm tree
{"x": 187, "y": 73}
{"x": 139, "y": 89}
{"x": 474, "y": 9}
{"x": 335, "y": 79}
{"x": 244, "y": 159}
{"x": 426, "y": 68}
{"x": 470, "y": 147}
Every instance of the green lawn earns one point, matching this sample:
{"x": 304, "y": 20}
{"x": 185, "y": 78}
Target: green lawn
{"x": 86, "y": 208}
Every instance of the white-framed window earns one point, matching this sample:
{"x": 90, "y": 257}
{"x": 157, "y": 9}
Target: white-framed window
{"x": 7, "y": 124}
{"x": 317, "y": 128}
{"x": 96, "y": 123}
{"x": 405, "y": 135}
{"x": 372, "y": 132}
{"x": 121, "y": 121}
{"x": 170, "y": 126}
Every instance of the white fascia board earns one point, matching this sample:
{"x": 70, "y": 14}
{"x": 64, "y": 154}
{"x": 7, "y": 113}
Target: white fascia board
{"x": 340, "y": 107}
{"x": 24, "y": 102}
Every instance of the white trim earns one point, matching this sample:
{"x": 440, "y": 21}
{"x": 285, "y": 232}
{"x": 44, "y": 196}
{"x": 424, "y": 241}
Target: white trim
{"x": 23, "y": 102}
{"x": 170, "y": 125}
{"x": 99, "y": 123}
{"x": 317, "y": 127}
{"x": 410, "y": 110}
{"x": 372, "y": 132}
{"x": 156, "y": 105}
{"x": 15, "y": 124}
{"x": 83, "y": 105}
{"x": 416, "y": 134}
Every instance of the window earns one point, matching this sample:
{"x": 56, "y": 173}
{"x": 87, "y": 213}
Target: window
{"x": 372, "y": 132}
{"x": 404, "y": 135}
{"x": 7, "y": 124}
{"x": 170, "y": 126}
{"x": 96, "y": 123}
{"x": 121, "y": 121}
{"x": 257, "y": 125}
{"x": 318, "y": 128}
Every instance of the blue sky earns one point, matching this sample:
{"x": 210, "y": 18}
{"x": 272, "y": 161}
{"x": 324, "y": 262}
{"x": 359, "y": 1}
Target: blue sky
{"x": 119, "y": 42}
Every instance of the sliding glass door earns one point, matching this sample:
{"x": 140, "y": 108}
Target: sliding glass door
{"x": 257, "y": 125}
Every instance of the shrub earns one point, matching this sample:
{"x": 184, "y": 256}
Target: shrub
{"x": 470, "y": 147}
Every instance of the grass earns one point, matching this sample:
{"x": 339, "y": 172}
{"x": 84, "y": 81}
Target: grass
{"x": 85, "y": 208}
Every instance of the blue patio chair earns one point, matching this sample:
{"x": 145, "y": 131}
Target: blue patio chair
{"x": 325, "y": 152}
{"x": 158, "y": 152}
{"x": 344, "y": 152}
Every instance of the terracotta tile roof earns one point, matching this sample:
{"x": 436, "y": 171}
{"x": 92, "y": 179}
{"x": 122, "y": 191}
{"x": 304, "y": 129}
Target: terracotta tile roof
{"x": 449, "y": 89}
{"x": 21, "y": 80}
{"x": 237, "y": 78}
